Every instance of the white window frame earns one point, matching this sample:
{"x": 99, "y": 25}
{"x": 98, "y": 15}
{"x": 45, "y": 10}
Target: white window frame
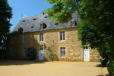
{"x": 62, "y": 35}
{"x": 24, "y": 39}
{"x": 41, "y": 37}
{"x": 62, "y": 50}
{"x": 24, "y": 52}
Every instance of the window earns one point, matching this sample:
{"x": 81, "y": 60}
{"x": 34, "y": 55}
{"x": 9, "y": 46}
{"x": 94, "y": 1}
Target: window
{"x": 56, "y": 23}
{"x": 43, "y": 26}
{"x": 62, "y": 35}
{"x": 41, "y": 48}
{"x": 12, "y": 52}
{"x": 62, "y": 52}
{"x": 24, "y": 51}
{"x": 20, "y": 30}
{"x": 24, "y": 39}
{"x": 41, "y": 37}
{"x": 74, "y": 24}
{"x": 32, "y": 26}
{"x": 23, "y": 21}
{"x": 12, "y": 40}
{"x": 46, "y": 17}
{"x": 34, "y": 18}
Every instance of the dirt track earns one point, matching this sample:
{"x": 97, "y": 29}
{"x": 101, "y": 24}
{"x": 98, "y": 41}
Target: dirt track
{"x": 27, "y": 68}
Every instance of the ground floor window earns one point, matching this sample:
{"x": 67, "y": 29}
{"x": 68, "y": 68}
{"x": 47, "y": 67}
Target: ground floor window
{"x": 41, "y": 49}
{"x": 24, "y": 51}
{"x": 12, "y": 52}
{"x": 62, "y": 51}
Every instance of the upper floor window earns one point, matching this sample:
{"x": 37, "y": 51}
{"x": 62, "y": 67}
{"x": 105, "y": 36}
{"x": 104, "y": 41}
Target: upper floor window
{"x": 62, "y": 35}
{"x": 62, "y": 51}
{"x": 41, "y": 37}
{"x": 12, "y": 40}
{"x": 24, "y": 39}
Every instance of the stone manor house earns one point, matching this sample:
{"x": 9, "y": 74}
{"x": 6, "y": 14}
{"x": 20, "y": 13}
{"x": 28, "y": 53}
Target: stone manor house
{"x": 41, "y": 33}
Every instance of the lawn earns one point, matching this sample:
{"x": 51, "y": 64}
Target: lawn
{"x": 29, "y": 68}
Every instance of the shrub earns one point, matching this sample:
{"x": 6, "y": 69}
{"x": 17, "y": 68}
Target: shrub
{"x": 51, "y": 54}
{"x": 104, "y": 60}
{"x": 31, "y": 53}
{"x": 111, "y": 67}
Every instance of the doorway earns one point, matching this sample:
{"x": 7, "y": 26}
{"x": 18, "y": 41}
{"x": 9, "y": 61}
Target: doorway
{"x": 41, "y": 54}
{"x": 86, "y": 54}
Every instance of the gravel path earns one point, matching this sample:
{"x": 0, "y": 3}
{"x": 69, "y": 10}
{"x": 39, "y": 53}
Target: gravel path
{"x": 27, "y": 68}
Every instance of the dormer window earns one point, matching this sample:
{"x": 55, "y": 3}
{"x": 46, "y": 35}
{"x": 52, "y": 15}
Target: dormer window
{"x": 73, "y": 23}
{"x": 43, "y": 13}
{"x": 32, "y": 26}
{"x": 56, "y": 23}
{"x": 23, "y": 21}
{"x": 46, "y": 17}
{"x": 43, "y": 26}
{"x": 20, "y": 30}
{"x": 34, "y": 18}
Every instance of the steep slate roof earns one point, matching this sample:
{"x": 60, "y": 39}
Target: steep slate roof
{"x": 32, "y": 24}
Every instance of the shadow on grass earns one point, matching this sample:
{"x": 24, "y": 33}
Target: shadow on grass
{"x": 18, "y": 62}
{"x": 99, "y": 65}
{"x": 104, "y": 75}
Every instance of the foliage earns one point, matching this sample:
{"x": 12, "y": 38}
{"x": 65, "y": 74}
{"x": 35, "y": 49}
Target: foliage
{"x": 104, "y": 60}
{"x": 5, "y": 15}
{"x": 61, "y": 9}
{"x": 31, "y": 53}
{"x": 111, "y": 67}
{"x": 95, "y": 27}
{"x": 51, "y": 54}
{"x": 93, "y": 14}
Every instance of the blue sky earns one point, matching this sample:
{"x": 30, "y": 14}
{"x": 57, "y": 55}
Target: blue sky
{"x": 26, "y": 8}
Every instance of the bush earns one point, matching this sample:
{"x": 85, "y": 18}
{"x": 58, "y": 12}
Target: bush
{"x": 104, "y": 60}
{"x": 31, "y": 53}
{"x": 111, "y": 67}
{"x": 51, "y": 54}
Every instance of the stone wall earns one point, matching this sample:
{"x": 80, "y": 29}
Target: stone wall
{"x": 74, "y": 51}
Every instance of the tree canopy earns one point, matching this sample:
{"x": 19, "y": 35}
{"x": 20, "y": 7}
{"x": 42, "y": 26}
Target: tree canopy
{"x": 96, "y": 19}
{"x": 5, "y": 15}
{"x": 96, "y": 26}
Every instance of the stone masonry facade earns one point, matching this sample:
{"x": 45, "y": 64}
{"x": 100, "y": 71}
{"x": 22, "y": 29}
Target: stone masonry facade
{"x": 74, "y": 50}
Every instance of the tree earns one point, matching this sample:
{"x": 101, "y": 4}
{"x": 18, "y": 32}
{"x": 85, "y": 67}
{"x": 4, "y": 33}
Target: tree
{"x": 95, "y": 27}
{"x": 61, "y": 9}
{"x": 5, "y": 15}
